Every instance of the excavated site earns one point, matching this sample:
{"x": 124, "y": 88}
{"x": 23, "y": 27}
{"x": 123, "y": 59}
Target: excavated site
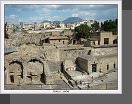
{"x": 71, "y": 67}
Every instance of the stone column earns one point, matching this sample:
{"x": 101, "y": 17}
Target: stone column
{"x": 24, "y": 72}
{"x": 6, "y": 74}
{"x": 15, "y": 78}
{"x": 6, "y": 77}
{"x": 47, "y": 79}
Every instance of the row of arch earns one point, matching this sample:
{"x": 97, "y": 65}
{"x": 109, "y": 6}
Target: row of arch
{"x": 30, "y": 72}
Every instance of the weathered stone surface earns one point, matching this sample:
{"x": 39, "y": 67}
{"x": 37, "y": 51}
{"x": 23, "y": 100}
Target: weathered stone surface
{"x": 42, "y": 65}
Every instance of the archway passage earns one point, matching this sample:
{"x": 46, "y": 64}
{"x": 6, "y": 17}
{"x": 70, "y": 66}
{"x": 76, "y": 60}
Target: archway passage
{"x": 106, "y": 40}
{"x": 35, "y": 72}
{"x": 15, "y": 72}
{"x": 115, "y": 41}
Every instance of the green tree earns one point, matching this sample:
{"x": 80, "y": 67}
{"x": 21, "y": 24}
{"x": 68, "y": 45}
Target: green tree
{"x": 82, "y": 31}
{"x": 5, "y": 33}
{"x": 24, "y": 31}
{"x": 95, "y": 26}
{"x": 110, "y": 25}
{"x": 102, "y": 26}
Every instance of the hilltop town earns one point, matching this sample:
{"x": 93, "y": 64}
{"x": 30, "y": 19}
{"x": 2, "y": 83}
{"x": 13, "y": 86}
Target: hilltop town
{"x": 81, "y": 54}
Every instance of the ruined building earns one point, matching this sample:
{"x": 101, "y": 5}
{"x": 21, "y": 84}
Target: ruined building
{"x": 58, "y": 61}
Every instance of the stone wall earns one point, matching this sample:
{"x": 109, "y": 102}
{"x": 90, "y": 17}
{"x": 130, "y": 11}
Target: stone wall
{"x": 52, "y": 54}
{"x": 57, "y": 42}
{"x": 54, "y": 66}
{"x": 103, "y": 51}
{"x": 104, "y": 63}
{"x": 71, "y": 54}
{"x": 82, "y": 64}
{"x": 22, "y": 68}
{"x": 110, "y": 61}
{"x": 68, "y": 33}
{"x": 35, "y": 58}
{"x": 18, "y": 40}
{"x": 106, "y": 35}
{"x": 60, "y": 54}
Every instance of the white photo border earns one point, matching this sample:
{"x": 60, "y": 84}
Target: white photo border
{"x": 119, "y": 91}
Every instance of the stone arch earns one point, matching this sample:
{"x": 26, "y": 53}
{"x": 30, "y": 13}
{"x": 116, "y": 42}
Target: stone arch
{"x": 115, "y": 41}
{"x": 15, "y": 72}
{"x": 35, "y": 71}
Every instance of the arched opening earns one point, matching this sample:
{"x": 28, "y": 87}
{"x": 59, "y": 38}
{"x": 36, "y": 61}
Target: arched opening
{"x": 93, "y": 42}
{"x": 12, "y": 78}
{"x": 15, "y": 72}
{"x": 106, "y": 40}
{"x": 89, "y": 52}
{"x": 114, "y": 65}
{"x": 4, "y": 69}
{"x": 107, "y": 67}
{"x": 35, "y": 72}
{"x": 115, "y": 41}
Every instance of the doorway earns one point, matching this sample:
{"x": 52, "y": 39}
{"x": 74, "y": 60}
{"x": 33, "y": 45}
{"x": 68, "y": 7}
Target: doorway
{"x": 12, "y": 78}
{"x": 115, "y": 41}
{"x": 94, "y": 67}
{"x": 107, "y": 67}
{"x": 114, "y": 65}
{"x": 106, "y": 40}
